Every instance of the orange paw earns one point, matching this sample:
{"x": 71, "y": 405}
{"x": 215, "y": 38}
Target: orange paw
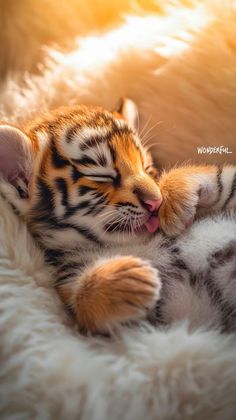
{"x": 114, "y": 291}
{"x": 180, "y": 192}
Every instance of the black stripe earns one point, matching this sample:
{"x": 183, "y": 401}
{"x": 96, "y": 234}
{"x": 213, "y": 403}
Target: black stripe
{"x": 73, "y": 209}
{"x": 231, "y": 194}
{"x": 125, "y": 204}
{"x": 45, "y": 201}
{"x": 228, "y": 311}
{"x": 102, "y": 160}
{"x": 228, "y": 317}
{"x": 175, "y": 249}
{"x": 57, "y": 160}
{"x": 65, "y": 278}
{"x": 76, "y": 175}
{"x": 117, "y": 180}
{"x": 84, "y": 189}
{"x": 93, "y": 208}
{"x": 94, "y": 141}
{"x": 97, "y": 207}
{"x": 62, "y": 188}
{"x": 157, "y": 317}
{"x": 120, "y": 105}
{"x": 120, "y": 130}
{"x": 85, "y": 160}
{"x": 196, "y": 279}
{"x": 54, "y": 256}
{"x": 102, "y": 200}
{"x": 68, "y": 271}
{"x": 83, "y": 205}
{"x": 86, "y": 232}
{"x": 202, "y": 279}
{"x": 112, "y": 152}
{"x": 99, "y": 195}
{"x": 213, "y": 291}
{"x": 219, "y": 182}
{"x": 224, "y": 255}
{"x": 100, "y": 176}
{"x": 53, "y": 223}
{"x": 105, "y": 138}
{"x": 71, "y": 132}
{"x": 180, "y": 264}
{"x": 70, "y": 266}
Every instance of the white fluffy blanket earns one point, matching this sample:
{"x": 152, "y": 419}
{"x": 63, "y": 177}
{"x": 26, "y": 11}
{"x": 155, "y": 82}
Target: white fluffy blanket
{"x": 49, "y": 371}
{"x": 183, "y": 75}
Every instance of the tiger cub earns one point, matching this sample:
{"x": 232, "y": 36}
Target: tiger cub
{"x": 121, "y": 240}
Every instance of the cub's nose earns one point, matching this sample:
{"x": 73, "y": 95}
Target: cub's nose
{"x": 152, "y": 205}
{"x": 151, "y": 201}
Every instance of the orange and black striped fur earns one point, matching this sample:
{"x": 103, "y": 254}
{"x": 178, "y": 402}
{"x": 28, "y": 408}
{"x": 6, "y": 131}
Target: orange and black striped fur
{"x": 117, "y": 236}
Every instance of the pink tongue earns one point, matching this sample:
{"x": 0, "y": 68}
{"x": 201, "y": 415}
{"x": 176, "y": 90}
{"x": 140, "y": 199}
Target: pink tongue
{"x": 152, "y": 224}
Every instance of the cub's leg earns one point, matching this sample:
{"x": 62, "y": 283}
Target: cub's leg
{"x": 192, "y": 191}
{"x": 110, "y": 292}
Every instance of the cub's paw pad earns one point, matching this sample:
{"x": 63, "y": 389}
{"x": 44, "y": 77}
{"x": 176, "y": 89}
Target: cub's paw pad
{"x": 135, "y": 285}
{"x": 177, "y": 215}
{"x": 114, "y": 291}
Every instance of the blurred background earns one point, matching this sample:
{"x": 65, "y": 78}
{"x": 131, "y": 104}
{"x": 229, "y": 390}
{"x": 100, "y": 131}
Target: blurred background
{"x": 27, "y": 25}
{"x": 175, "y": 58}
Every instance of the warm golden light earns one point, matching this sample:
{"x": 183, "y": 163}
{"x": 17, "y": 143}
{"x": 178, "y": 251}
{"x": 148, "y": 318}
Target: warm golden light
{"x": 171, "y": 35}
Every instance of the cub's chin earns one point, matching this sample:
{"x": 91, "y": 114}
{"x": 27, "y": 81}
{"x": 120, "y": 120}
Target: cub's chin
{"x": 130, "y": 237}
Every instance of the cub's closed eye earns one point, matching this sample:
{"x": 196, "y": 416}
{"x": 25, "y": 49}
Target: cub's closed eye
{"x": 101, "y": 178}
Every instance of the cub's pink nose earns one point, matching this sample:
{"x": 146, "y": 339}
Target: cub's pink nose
{"x": 152, "y": 205}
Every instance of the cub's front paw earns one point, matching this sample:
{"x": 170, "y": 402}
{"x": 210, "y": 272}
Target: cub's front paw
{"x": 180, "y": 200}
{"x": 114, "y": 291}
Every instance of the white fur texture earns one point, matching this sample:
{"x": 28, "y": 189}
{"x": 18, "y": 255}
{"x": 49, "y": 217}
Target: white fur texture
{"x": 180, "y": 69}
{"x": 49, "y": 371}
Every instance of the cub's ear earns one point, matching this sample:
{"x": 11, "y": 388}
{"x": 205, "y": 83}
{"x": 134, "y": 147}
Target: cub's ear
{"x": 129, "y": 111}
{"x": 16, "y": 158}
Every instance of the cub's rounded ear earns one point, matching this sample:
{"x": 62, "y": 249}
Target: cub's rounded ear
{"x": 129, "y": 111}
{"x": 16, "y": 158}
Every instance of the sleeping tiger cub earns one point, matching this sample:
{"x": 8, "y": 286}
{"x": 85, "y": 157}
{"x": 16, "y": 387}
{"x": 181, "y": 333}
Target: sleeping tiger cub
{"x": 121, "y": 240}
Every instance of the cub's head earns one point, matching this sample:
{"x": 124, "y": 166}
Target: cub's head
{"x": 86, "y": 176}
